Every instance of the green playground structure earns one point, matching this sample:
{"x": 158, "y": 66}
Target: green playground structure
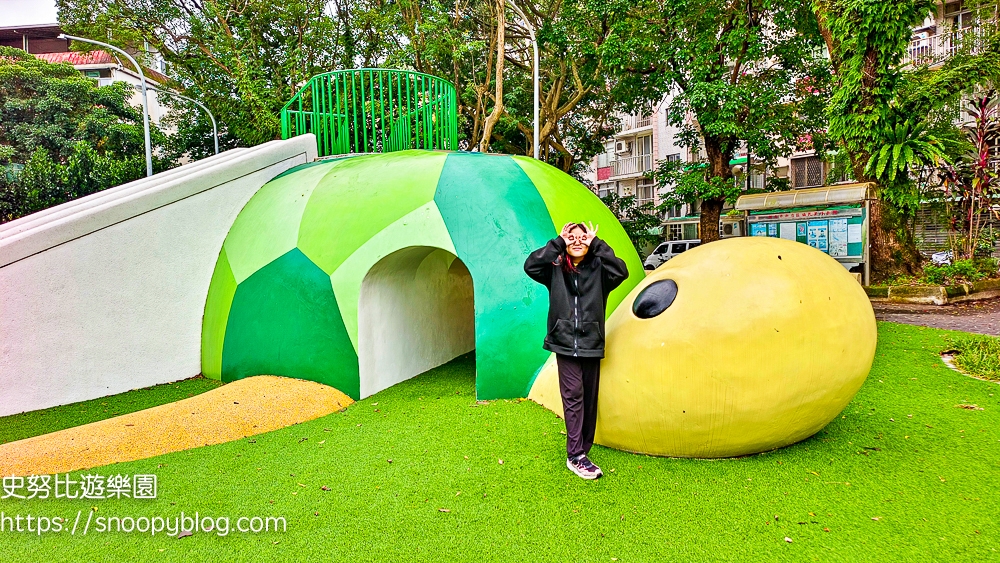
{"x": 374, "y": 110}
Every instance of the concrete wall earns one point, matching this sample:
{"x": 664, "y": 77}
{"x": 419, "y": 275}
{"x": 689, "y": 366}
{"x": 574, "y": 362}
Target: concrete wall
{"x": 106, "y": 293}
{"x": 415, "y": 313}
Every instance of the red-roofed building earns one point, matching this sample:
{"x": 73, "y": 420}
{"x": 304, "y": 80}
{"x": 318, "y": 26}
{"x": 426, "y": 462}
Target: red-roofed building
{"x": 104, "y": 67}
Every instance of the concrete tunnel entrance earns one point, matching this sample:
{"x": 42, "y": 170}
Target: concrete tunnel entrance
{"x": 415, "y": 312}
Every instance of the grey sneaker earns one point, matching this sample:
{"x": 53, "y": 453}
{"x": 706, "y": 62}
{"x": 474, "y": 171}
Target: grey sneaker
{"x": 576, "y": 465}
{"x": 591, "y": 466}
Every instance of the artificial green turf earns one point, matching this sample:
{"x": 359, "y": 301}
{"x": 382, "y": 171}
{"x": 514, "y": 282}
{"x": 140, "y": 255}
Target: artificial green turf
{"x": 34, "y": 423}
{"x": 902, "y": 475}
{"x": 978, "y": 355}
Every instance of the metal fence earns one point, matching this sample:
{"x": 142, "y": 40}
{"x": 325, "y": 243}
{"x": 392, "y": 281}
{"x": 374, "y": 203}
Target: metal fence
{"x": 372, "y": 110}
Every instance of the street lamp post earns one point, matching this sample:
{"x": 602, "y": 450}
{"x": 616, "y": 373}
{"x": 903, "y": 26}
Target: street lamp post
{"x": 215, "y": 132}
{"x": 145, "y": 102}
{"x": 534, "y": 72}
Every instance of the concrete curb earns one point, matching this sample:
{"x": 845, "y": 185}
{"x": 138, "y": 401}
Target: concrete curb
{"x": 934, "y": 294}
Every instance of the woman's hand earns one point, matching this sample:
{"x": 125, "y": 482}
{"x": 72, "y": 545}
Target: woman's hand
{"x": 567, "y": 238}
{"x": 588, "y": 237}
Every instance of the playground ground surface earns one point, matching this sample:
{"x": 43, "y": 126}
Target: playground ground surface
{"x": 423, "y": 471}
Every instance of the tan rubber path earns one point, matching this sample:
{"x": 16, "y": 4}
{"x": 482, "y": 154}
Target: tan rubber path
{"x": 242, "y": 408}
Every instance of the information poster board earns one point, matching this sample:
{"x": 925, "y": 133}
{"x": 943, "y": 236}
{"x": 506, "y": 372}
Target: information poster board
{"x": 838, "y": 237}
{"x": 837, "y": 232}
{"x": 818, "y": 235}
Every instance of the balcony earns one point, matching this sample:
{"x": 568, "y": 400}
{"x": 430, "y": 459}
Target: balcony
{"x": 631, "y": 165}
{"x": 935, "y": 49}
{"x": 632, "y": 123}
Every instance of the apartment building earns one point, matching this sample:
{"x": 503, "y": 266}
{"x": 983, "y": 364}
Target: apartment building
{"x": 646, "y": 139}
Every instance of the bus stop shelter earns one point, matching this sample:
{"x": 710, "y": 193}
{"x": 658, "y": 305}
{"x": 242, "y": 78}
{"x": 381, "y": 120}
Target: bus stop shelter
{"x": 832, "y": 219}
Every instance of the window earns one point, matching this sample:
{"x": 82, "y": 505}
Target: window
{"x": 678, "y": 248}
{"x": 674, "y": 211}
{"x": 92, "y": 73}
{"x": 676, "y": 232}
{"x": 645, "y": 144}
{"x": 604, "y": 189}
{"x": 645, "y": 191}
{"x": 693, "y": 244}
{"x": 807, "y": 172}
{"x": 604, "y": 159}
{"x": 676, "y": 157}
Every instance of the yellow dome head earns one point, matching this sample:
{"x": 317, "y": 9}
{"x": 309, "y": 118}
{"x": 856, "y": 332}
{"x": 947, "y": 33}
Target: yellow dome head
{"x": 736, "y": 347}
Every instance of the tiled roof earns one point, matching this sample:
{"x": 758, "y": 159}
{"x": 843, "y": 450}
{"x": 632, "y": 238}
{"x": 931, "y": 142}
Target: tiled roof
{"x": 96, "y": 58}
{"x": 78, "y": 58}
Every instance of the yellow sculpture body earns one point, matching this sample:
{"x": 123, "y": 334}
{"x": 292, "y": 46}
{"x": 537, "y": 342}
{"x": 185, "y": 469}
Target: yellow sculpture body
{"x": 764, "y": 343}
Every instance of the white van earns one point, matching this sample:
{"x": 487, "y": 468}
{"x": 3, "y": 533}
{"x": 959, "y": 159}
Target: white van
{"x": 668, "y": 250}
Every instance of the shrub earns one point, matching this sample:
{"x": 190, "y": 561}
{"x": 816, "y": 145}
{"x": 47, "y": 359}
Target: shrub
{"x": 961, "y": 271}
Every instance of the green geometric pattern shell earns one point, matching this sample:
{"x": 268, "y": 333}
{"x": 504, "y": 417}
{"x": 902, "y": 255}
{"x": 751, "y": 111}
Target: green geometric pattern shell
{"x": 290, "y": 289}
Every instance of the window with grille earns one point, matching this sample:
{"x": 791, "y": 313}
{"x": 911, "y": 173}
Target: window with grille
{"x": 676, "y": 157}
{"x": 807, "y": 172}
{"x": 676, "y": 232}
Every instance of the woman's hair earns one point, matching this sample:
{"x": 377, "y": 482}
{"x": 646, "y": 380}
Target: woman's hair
{"x": 564, "y": 260}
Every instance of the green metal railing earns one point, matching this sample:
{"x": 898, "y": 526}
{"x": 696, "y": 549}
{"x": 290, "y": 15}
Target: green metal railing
{"x": 371, "y": 110}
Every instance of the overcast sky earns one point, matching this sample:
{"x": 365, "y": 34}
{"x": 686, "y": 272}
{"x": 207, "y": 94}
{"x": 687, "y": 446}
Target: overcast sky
{"x": 27, "y": 12}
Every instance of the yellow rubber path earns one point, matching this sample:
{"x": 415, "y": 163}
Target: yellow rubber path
{"x": 242, "y": 408}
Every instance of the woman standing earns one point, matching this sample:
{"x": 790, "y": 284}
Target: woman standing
{"x": 579, "y": 270}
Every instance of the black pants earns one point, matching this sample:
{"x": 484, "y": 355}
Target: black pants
{"x": 578, "y": 382}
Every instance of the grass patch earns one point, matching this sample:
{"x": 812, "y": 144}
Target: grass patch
{"x": 978, "y": 355}
{"x": 35, "y": 423}
{"x": 901, "y": 475}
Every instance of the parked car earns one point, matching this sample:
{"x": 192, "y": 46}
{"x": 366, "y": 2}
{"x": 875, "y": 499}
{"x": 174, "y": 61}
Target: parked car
{"x": 668, "y": 250}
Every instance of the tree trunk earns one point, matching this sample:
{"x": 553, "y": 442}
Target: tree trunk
{"x": 711, "y": 210}
{"x": 494, "y": 116}
{"x": 718, "y": 167}
{"x": 891, "y": 254}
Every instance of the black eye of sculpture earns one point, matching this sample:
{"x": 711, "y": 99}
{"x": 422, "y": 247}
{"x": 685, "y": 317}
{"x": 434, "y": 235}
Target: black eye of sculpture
{"x": 655, "y": 299}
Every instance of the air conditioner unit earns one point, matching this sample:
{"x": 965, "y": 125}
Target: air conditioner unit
{"x": 623, "y": 147}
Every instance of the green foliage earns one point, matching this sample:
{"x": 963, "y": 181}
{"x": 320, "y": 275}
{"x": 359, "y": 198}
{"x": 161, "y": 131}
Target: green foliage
{"x": 977, "y": 355}
{"x": 874, "y": 95}
{"x": 906, "y": 146}
{"x": 960, "y": 271}
{"x": 62, "y": 136}
{"x": 868, "y": 41}
{"x": 731, "y": 80}
{"x": 243, "y": 62}
{"x": 638, "y": 220}
{"x": 458, "y": 41}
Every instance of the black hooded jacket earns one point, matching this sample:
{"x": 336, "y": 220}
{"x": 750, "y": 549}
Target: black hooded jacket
{"x": 577, "y": 301}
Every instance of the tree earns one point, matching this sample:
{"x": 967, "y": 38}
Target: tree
{"x": 243, "y": 61}
{"x": 867, "y": 40}
{"x": 484, "y": 48}
{"x": 736, "y": 72}
{"x": 62, "y": 136}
